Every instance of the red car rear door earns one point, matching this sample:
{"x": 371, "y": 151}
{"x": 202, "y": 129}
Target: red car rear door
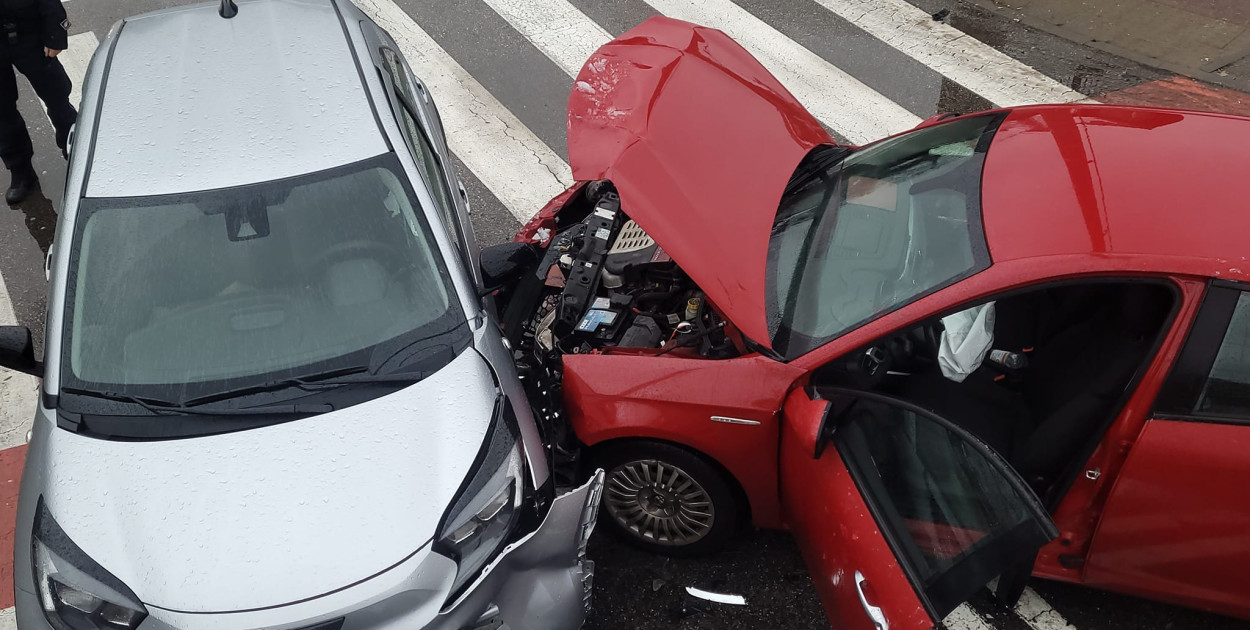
{"x": 1176, "y": 526}
{"x": 900, "y": 515}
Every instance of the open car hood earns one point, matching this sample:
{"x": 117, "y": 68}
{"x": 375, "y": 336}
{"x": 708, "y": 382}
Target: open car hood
{"x": 700, "y": 141}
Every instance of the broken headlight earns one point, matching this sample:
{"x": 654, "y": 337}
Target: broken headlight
{"x": 480, "y": 521}
{"x": 75, "y": 592}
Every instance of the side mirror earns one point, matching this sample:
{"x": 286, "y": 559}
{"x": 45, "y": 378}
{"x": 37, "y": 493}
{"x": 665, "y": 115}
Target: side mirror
{"x": 501, "y": 264}
{"x": 17, "y": 351}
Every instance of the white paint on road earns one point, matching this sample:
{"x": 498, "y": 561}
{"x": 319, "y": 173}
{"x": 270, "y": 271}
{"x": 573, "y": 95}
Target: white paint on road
{"x": 518, "y": 168}
{"x": 853, "y": 110}
{"x": 18, "y": 392}
{"x": 8, "y": 618}
{"x": 965, "y": 618}
{"x": 1038, "y": 613}
{"x": 558, "y": 29}
{"x": 960, "y": 57}
{"x": 75, "y": 59}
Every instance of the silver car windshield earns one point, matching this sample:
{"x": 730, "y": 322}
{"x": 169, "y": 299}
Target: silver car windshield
{"x": 185, "y": 295}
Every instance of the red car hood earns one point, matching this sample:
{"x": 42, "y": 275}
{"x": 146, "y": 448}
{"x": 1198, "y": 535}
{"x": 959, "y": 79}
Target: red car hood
{"x": 700, "y": 141}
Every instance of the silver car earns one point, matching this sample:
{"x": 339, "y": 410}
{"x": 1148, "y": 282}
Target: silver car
{"x": 274, "y": 395}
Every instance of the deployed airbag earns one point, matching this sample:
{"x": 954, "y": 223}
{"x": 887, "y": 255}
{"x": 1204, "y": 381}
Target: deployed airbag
{"x": 967, "y": 337}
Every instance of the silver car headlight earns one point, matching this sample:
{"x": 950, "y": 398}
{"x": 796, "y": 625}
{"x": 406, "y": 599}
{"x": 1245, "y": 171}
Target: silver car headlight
{"x": 75, "y": 592}
{"x": 484, "y": 514}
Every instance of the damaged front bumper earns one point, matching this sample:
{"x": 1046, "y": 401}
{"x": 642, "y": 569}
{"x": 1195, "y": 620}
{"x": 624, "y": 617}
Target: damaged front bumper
{"x": 541, "y": 582}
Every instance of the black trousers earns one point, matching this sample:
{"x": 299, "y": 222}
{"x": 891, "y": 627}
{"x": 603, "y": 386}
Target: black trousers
{"x": 47, "y": 76}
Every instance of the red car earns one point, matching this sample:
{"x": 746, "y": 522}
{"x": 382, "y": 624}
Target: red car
{"x": 1007, "y": 343}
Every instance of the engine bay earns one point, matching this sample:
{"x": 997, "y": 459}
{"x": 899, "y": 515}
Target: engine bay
{"x": 602, "y": 285}
{"x": 606, "y": 284}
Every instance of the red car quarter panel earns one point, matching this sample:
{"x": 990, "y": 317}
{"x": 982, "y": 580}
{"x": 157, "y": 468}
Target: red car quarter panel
{"x": 1177, "y": 526}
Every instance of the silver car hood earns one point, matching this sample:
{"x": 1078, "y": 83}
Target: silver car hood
{"x": 279, "y": 514}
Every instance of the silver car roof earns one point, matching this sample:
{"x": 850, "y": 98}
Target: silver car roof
{"x": 193, "y": 101}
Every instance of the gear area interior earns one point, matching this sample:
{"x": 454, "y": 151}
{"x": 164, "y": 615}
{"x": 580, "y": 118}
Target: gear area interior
{"x": 1037, "y": 376}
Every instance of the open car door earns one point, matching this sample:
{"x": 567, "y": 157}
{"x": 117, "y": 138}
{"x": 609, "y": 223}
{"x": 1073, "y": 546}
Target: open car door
{"x": 900, "y": 514}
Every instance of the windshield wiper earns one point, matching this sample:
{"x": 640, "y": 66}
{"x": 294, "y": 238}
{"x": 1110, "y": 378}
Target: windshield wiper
{"x": 168, "y": 408}
{"x": 310, "y": 382}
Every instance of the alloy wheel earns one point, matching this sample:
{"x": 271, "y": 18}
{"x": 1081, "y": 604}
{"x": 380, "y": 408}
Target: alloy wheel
{"x": 659, "y": 503}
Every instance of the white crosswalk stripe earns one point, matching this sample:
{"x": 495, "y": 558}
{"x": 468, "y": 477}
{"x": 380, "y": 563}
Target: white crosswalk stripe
{"x": 562, "y": 32}
{"x": 963, "y": 59}
{"x": 1039, "y": 614}
{"x": 523, "y": 172}
{"x": 853, "y": 110}
{"x": 517, "y": 167}
{"x": 75, "y": 59}
{"x": 965, "y": 618}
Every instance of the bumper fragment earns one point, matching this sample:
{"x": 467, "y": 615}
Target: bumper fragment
{"x": 543, "y": 581}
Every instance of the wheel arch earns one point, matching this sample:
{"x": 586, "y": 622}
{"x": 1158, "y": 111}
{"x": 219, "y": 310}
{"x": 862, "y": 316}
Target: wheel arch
{"x": 747, "y": 516}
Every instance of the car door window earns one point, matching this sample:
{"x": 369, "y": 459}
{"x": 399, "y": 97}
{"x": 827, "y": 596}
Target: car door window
{"x": 954, "y": 512}
{"x": 1212, "y": 376}
{"x": 1227, "y": 387}
{"x": 426, "y": 157}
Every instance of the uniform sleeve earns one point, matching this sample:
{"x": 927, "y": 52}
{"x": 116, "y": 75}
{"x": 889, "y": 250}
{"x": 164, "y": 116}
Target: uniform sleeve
{"x": 54, "y": 24}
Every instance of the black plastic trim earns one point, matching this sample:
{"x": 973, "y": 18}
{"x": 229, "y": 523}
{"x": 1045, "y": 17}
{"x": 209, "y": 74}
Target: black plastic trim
{"x": 360, "y": 72}
{"x": 1184, "y": 382}
{"x": 1229, "y": 419}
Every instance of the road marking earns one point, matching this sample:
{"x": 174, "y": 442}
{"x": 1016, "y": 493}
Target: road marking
{"x": 1037, "y": 612}
{"x": 965, "y": 618}
{"x": 853, "y": 110}
{"x": 75, "y": 59}
{"x": 956, "y": 55}
{"x": 18, "y": 392}
{"x": 8, "y": 617}
{"x": 518, "y": 168}
{"x": 558, "y": 29}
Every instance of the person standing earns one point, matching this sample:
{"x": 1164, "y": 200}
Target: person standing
{"x": 32, "y": 34}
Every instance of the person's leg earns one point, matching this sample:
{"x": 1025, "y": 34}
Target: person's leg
{"x": 15, "y": 146}
{"x": 47, "y": 76}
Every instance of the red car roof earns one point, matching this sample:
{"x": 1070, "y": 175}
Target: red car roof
{"x": 1168, "y": 186}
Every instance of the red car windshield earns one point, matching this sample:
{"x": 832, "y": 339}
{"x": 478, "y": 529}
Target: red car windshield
{"x": 870, "y": 233}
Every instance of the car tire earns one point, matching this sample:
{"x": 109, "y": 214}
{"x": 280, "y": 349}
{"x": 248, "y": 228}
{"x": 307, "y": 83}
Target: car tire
{"x": 666, "y": 499}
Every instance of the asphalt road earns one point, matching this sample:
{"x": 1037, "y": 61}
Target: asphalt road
{"x": 527, "y": 83}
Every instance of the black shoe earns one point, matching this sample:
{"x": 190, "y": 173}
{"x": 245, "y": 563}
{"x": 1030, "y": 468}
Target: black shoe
{"x": 24, "y": 181}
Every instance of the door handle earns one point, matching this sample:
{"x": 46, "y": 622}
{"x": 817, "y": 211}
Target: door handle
{"x": 874, "y": 612}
